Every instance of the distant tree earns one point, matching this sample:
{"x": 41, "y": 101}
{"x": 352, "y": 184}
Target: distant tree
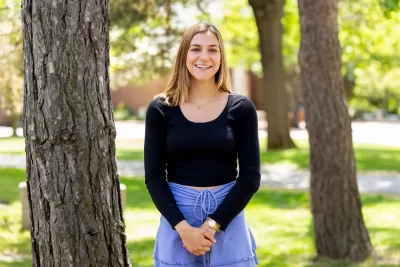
{"x": 73, "y": 186}
{"x": 340, "y": 232}
{"x": 268, "y": 15}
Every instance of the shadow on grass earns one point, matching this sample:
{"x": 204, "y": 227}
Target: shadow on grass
{"x": 9, "y": 180}
{"x": 368, "y": 159}
{"x": 298, "y": 157}
{"x": 378, "y": 159}
{"x": 17, "y": 263}
{"x": 293, "y": 199}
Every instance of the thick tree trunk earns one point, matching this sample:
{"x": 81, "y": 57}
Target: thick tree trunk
{"x": 339, "y": 226}
{"x": 73, "y": 186}
{"x": 268, "y": 14}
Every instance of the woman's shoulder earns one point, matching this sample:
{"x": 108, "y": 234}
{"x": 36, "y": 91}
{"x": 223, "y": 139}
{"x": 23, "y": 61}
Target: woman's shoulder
{"x": 157, "y": 106}
{"x": 158, "y": 102}
{"x": 240, "y": 102}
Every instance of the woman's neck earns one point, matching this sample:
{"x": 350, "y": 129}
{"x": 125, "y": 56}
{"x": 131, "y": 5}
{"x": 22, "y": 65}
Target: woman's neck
{"x": 202, "y": 90}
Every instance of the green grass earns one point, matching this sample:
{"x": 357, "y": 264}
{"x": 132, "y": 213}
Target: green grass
{"x": 12, "y": 145}
{"x": 279, "y": 219}
{"x": 369, "y": 157}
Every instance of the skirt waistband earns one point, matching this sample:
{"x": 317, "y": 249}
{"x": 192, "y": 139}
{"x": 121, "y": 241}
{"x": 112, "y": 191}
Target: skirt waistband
{"x": 204, "y": 202}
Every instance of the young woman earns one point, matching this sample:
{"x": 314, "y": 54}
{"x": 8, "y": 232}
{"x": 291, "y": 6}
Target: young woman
{"x": 196, "y": 131}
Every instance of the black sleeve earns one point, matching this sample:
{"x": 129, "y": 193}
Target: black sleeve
{"x": 248, "y": 180}
{"x": 155, "y": 155}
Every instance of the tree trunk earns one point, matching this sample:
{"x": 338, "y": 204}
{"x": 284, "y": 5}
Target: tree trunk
{"x": 73, "y": 186}
{"x": 338, "y": 222}
{"x": 268, "y": 14}
{"x": 14, "y": 124}
{"x": 15, "y": 119}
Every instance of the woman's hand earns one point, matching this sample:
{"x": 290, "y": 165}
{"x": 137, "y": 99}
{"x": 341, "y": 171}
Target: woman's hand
{"x": 207, "y": 228}
{"x": 197, "y": 241}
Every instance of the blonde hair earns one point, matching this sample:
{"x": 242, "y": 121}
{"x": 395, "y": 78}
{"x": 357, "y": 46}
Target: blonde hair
{"x": 177, "y": 89}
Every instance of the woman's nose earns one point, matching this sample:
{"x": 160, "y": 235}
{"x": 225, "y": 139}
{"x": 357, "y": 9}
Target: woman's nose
{"x": 204, "y": 55}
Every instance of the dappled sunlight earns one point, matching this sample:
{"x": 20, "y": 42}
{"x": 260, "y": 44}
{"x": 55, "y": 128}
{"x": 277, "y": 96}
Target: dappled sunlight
{"x": 282, "y": 199}
{"x": 14, "y": 242}
{"x": 147, "y": 218}
{"x": 141, "y": 252}
{"x": 298, "y": 157}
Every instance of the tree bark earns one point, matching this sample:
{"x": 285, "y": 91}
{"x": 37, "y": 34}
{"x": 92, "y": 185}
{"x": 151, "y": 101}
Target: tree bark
{"x": 268, "y": 14}
{"x": 73, "y": 186}
{"x": 338, "y": 222}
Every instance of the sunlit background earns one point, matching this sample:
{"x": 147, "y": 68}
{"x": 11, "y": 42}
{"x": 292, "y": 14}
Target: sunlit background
{"x": 144, "y": 38}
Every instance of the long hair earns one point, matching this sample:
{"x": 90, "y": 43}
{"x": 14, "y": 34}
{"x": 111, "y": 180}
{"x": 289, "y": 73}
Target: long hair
{"x": 177, "y": 89}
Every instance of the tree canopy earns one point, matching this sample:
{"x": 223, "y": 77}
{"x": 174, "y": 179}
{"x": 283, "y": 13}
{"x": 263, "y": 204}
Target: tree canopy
{"x": 369, "y": 47}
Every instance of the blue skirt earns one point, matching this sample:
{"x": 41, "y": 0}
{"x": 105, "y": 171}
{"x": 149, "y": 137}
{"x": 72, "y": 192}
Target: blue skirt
{"x": 235, "y": 247}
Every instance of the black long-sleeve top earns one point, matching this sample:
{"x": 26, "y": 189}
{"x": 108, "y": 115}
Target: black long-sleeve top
{"x": 202, "y": 154}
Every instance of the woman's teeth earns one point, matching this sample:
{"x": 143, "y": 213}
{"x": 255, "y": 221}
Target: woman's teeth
{"x": 203, "y": 66}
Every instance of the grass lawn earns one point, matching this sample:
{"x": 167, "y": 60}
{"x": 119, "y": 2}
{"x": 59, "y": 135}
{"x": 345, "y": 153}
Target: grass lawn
{"x": 369, "y": 157}
{"x": 280, "y": 221}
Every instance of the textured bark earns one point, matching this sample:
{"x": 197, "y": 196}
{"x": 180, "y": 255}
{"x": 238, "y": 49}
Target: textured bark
{"x": 73, "y": 186}
{"x": 338, "y": 222}
{"x": 268, "y": 14}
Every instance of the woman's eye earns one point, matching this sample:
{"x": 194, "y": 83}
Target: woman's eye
{"x": 214, "y": 51}
{"x": 195, "y": 49}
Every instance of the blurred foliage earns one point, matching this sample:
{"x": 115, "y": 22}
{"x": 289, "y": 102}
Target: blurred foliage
{"x": 123, "y": 112}
{"x": 390, "y": 7}
{"x": 144, "y": 37}
{"x": 370, "y": 51}
{"x": 11, "y": 59}
{"x": 239, "y": 29}
{"x": 369, "y": 46}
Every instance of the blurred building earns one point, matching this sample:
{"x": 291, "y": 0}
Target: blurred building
{"x": 244, "y": 82}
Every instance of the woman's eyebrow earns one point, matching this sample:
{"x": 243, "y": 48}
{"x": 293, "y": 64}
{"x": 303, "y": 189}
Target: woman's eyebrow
{"x": 213, "y": 45}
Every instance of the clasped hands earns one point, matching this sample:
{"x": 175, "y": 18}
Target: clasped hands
{"x": 197, "y": 240}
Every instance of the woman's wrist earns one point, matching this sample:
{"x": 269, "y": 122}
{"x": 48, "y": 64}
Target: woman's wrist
{"x": 182, "y": 226}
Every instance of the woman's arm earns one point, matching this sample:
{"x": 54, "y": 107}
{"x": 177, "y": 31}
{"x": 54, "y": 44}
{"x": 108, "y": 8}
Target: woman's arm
{"x": 248, "y": 180}
{"x": 155, "y": 159}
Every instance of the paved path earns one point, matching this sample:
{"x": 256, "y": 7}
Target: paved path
{"x": 275, "y": 176}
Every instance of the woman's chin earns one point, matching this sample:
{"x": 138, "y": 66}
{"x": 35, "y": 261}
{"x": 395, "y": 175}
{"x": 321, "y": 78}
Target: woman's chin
{"x": 203, "y": 79}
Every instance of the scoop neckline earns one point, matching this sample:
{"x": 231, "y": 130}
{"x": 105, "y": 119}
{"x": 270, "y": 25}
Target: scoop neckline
{"x": 206, "y": 122}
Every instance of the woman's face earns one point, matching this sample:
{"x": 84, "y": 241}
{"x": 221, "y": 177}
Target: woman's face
{"x": 204, "y": 57}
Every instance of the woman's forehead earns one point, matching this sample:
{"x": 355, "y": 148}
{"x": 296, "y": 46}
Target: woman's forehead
{"x": 204, "y": 39}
